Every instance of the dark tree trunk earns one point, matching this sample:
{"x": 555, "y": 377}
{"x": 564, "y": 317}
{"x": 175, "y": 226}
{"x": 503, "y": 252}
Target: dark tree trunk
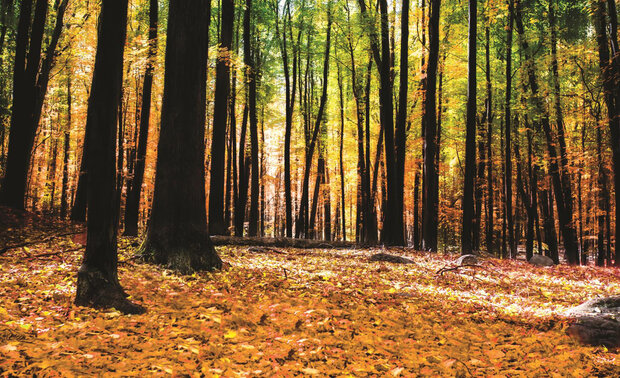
{"x": 97, "y": 281}
{"x": 488, "y": 117}
{"x": 244, "y": 169}
{"x": 563, "y": 201}
{"x": 66, "y": 147}
{"x": 609, "y": 69}
{"x": 431, "y": 175}
{"x": 290, "y": 105}
{"x": 371, "y": 232}
{"x": 341, "y": 156}
{"x": 132, "y": 207}
{"x": 401, "y": 124}
{"x": 416, "y": 205}
{"x": 217, "y": 226}
{"x": 251, "y": 82}
{"x": 177, "y": 234}
{"x": 30, "y": 79}
{"x": 392, "y": 209}
{"x": 512, "y": 247}
{"x": 603, "y": 200}
{"x": 551, "y": 238}
{"x": 478, "y": 192}
{"x": 467, "y": 245}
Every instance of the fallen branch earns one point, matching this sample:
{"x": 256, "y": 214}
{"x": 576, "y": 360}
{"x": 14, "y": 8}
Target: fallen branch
{"x": 281, "y": 242}
{"x": 44, "y": 240}
{"x": 47, "y": 254}
{"x": 265, "y": 250}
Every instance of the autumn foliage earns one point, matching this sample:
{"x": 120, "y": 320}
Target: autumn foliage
{"x": 288, "y": 312}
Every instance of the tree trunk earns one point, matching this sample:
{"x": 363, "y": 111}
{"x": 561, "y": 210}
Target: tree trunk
{"x": 467, "y": 245}
{"x": 401, "y": 123}
{"x": 217, "y": 225}
{"x": 30, "y": 81}
{"x": 341, "y": 155}
{"x": 251, "y": 82}
{"x": 244, "y": 170}
{"x": 66, "y": 147}
{"x": 97, "y": 281}
{"x": 488, "y": 117}
{"x": 301, "y": 220}
{"x": 563, "y": 202}
{"x": 132, "y": 207}
{"x": 177, "y": 234}
{"x": 431, "y": 176}
{"x": 512, "y": 247}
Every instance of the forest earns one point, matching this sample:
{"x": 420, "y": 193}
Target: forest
{"x": 309, "y": 187}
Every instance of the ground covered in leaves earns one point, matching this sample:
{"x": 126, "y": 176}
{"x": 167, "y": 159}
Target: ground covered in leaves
{"x": 290, "y": 312}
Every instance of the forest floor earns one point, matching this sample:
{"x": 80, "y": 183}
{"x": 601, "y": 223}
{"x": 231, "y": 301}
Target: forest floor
{"x": 292, "y": 312}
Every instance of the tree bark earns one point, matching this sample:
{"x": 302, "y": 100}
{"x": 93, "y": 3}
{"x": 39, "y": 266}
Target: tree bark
{"x": 512, "y": 247}
{"x": 132, "y": 207}
{"x": 251, "y": 82}
{"x": 66, "y": 147}
{"x": 97, "y": 281}
{"x": 431, "y": 175}
{"x": 30, "y": 80}
{"x": 217, "y": 225}
{"x": 467, "y": 246}
{"x": 177, "y": 234}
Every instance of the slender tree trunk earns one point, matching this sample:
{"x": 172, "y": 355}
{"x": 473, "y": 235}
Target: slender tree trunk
{"x": 301, "y": 220}
{"x": 217, "y": 225}
{"x": 66, "y": 147}
{"x": 177, "y": 234}
{"x": 97, "y": 281}
{"x": 563, "y": 202}
{"x": 244, "y": 167}
{"x": 341, "y": 155}
{"x": 248, "y": 51}
{"x": 512, "y": 247}
{"x": 431, "y": 175}
{"x": 488, "y": 117}
{"x": 132, "y": 207}
{"x": 467, "y": 245}
{"x": 401, "y": 122}
{"x": 30, "y": 80}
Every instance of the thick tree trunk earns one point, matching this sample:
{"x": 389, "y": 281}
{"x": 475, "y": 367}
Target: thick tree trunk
{"x": 217, "y": 225}
{"x": 488, "y": 118}
{"x": 467, "y": 246}
{"x": 132, "y": 207}
{"x": 97, "y": 282}
{"x": 177, "y": 234}
{"x": 431, "y": 174}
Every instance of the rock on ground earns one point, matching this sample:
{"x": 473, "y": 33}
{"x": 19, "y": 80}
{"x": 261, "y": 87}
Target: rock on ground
{"x": 390, "y": 258}
{"x": 540, "y": 260}
{"x": 596, "y": 322}
{"x": 467, "y": 260}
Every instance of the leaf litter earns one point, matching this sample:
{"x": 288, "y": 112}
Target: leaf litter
{"x": 300, "y": 312}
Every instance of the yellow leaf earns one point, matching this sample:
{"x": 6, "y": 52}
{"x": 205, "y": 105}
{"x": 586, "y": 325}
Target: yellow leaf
{"x": 231, "y": 334}
{"x": 310, "y": 371}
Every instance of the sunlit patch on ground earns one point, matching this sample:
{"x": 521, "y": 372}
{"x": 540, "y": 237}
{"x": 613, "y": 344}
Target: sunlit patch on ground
{"x": 311, "y": 312}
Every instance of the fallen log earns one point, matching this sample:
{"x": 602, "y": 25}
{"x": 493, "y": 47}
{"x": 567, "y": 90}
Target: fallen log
{"x": 281, "y": 242}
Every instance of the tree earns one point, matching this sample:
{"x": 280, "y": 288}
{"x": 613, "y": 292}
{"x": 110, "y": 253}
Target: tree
{"x": 431, "y": 174}
{"x": 177, "y": 234}
{"x": 97, "y": 283}
{"x": 251, "y": 85}
{"x": 31, "y": 74}
{"x": 467, "y": 245}
{"x": 512, "y": 248}
{"x": 217, "y": 226}
{"x": 401, "y": 118}
{"x": 132, "y": 207}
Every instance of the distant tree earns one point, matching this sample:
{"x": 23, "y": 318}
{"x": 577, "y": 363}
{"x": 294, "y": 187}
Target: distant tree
{"x": 177, "y": 234}
{"x": 31, "y": 74}
{"x": 132, "y": 207}
{"x": 97, "y": 283}
{"x": 217, "y": 226}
